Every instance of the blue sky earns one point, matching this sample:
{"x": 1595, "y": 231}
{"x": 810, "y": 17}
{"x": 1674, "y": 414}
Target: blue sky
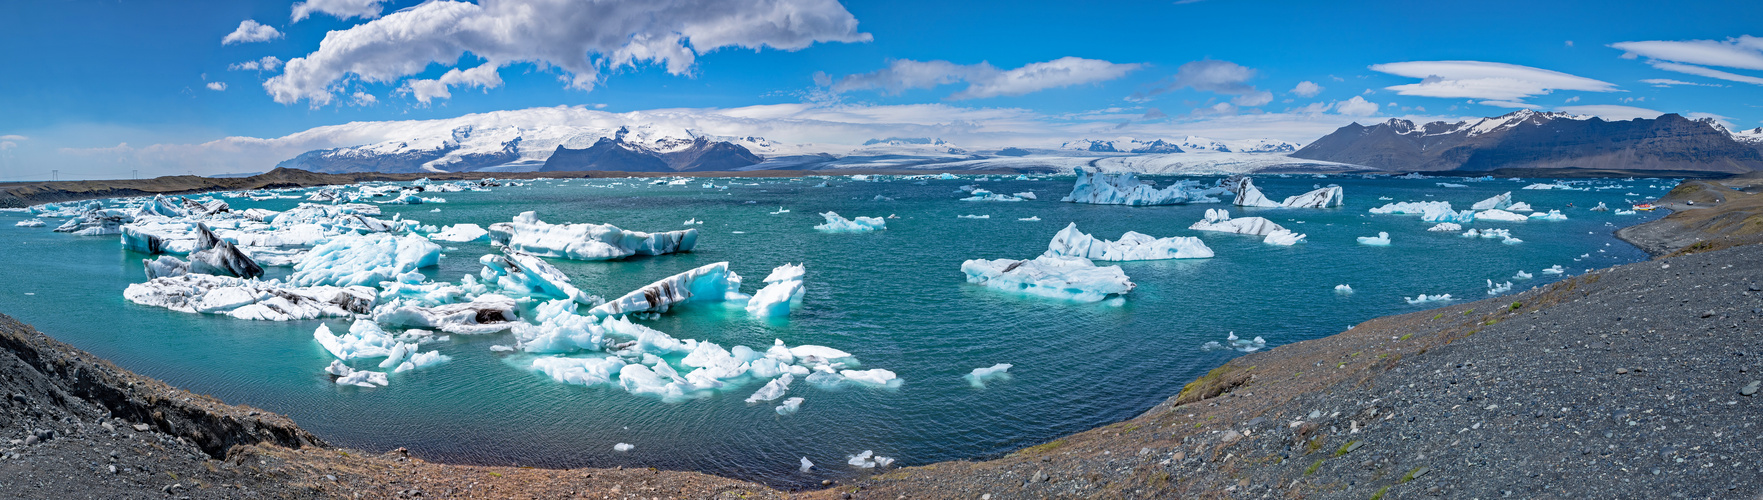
{"x": 92, "y": 74}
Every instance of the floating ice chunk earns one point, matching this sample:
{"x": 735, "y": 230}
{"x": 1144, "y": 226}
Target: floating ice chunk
{"x": 710, "y": 283}
{"x": 781, "y": 211}
{"x": 1463, "y": 217}
{"x": 1446, "y": 226}
{"x": 836, "y": 224}
{"x": 1026, "y": 195}
{"x": 881, "y": 198}
{"x": 984, "y": 195}
{"x": 980, "y": 376}
{"x": 773, "y": 389}
{"x": 556, "y": 328}
{"x": 519, "y": 274}
{"x": 363, "y": 378}
{"x": 1519, "y": 207}
{"x": 1126, "y": 189}
{"x": 1624, "y": 212}
{"x": 1427, "y": 298}
{"x": 1343, "y": 289}
{"x": 1451, "y": 185}
{"x": 1555, "y": 269}
{"x": 945, "y": 176}
{"x": 1232, "y": 342}
{"x": 165, "y": 266}
{"x": 1324, "y": 197}
{"x": 971, "y": 216}
{"x": 350, "y": 217}
{"x": 806, "y": 465}
{"x": 1035, "y": 218}
{"x": 694, "y": 222}
{"x": 581, "y": 371}
{"x": 422, "y": 360}
{"x": 1496, "y": 289}
{"x": 623, "y": 447}
{"x": 30, "y": 223}
{"x": 1070, "y": 278}
{"x": 1552, "y": 215}
{"x": 363, "y": 340}
{"x": 484, "y": 314}
{"x": 1382, "y": 239}
{"x": 790, "y": 407}
{"x": 527, "y": 234}
{"x": 868, "y": 460}
{"x": 1283, "y": 237}
{"x": 875, "y": 377}
{"x": 1600, "y": 208}
{"x": 1541, "y": 186}
{"x": 1249, "y": 196}
{"x": 250, "y": 299}
{"x": 1219, "y": 220}
{"x": 364, "y": 260}
{"x": 1500, "y": 215}
{"x": 783, "y": 290}
{"x": 219, "y": 257}
{"x": 1070, "y": 242}
{"x": 1413, "y": 207}
{"x": 461, "y": 233}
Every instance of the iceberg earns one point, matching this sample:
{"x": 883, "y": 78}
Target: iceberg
{"x": 875, "y": 377}
{"x": 1555, "y": 269}
{"x": 461, "y": 233}
{"x": 30, "y": 223}
{"x": 1446, "y": 227}
{"x": 523, "y": 275}
{"x": 581, "y": 371}
{"x": 1026, "y": 195}
{"x": 1382, "y": 239}
{"x": 783, "y": 290}
{"x": 363, "y": 340}
{"x": 773, "y": 389}
{"x": 1496, "y": 289}
{"x": 980, "y": 376}
{"x": 1283, "y": 237}
{"x": 166, "y": 266}
{"x": 1343, "y": 289}
{"x": 1070, "y": 242}
{"x": 1035, "y": 218}
{"x": 1219, "y": 220}
{"x": 806, "y": 465}
{"x": 1232, "y": 342}
{"x": 710, "y": 283}
{"x": 1552, "y": 215}
{"x": 970, "y": 216}
{"x": 1519, "y": 207}
{"x": 1542, "y": 186}
{"x": 250, "y": 299}
{"x": 868, "y": 460}
{"x": 1069, "y": 278}
{"x": 836, "y": 224}
{"x": 484, "y": 314}
{"x": 623, "y": 447}
{"x": 1324, "y": 197}
{"x": 1413, "y": 208}
{"x": 527, "y": 234}
{"x": 219, "y": 257}
{"x": 984, "y": 195}
{"x": 1249, "y": 196}
{"x": 792, "y": 405}
{"x": 1447, "y": 215}
{"x": 354, "y": 217}
{"x": 1427, "y": 298}
{"x": 350, "y": 376}
{"x": 1500, "y": 202}
{"x": 1500, "y": 215}
{"x": 364, "y": 260}
{"x": 1522, "y": 275}
{"x": 945, "y": 176}
{"x": 1126, "y": 189}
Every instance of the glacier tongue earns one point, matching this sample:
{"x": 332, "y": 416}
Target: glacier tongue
{"x": 1069, "y": 278}
{"x": 528, "y": 234}
{"x": 1070, "y": 242}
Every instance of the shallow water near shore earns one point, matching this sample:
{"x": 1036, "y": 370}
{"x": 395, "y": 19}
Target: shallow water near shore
{"x": 895, "y": 299}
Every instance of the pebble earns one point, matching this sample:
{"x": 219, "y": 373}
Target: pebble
{"x": 1040, "y": 477}
{"x": 1620, "y": 371}
{"x": 1751, "y": 388}
{"x": 141, "y": 427}
{"x": 1708, "y": 313}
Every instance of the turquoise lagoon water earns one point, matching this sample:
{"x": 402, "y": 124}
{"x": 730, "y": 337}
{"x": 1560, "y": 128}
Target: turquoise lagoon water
{"x": 895, "y": 299}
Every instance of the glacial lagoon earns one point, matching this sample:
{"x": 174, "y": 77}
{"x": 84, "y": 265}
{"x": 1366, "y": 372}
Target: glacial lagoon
{"x": 895, "y": 299}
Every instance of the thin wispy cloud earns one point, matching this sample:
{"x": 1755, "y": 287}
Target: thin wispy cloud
{"x": 1694, "y": 57}
{"x": 1498, "y": 82}
{"x": 983, "y": 80}
{"x": 1219, "y": 77}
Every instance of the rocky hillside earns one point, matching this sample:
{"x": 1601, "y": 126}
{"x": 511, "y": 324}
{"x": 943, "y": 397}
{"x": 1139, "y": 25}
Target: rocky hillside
{"x": 1528, "y": 139}
{"x": 616, "y": 154}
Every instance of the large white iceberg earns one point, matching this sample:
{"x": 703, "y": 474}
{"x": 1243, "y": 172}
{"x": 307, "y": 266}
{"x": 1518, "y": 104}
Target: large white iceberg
{"x": 1219, "y": 220}
{"x": 1071, "y": 278}
{"x": 1070, "y": 242}
{"x": 1496, "y": 203}
{"x": 783, "y": 290}
{"x": 250, "y": 299}
{"x": 1250, "y": 196}
{"x": 1323, "y": 197}
{"x": 1500, "y": 215}
{"x": 838, "y": 224}
{"x": 710, "y": 283}
{"x": 1126, "y": 189}
{"x": 528, "y": 234}
{"x": 357, "y": 260}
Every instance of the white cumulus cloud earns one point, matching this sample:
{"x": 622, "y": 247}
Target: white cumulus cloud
{"x": 363, "y": 99}
{"x": 216, "y": 85}
{"x": 579, "y": 38}
{"x": 1307, "y": 89}
{"x": 267, "y": 63}
{"x": 342, "y": 9}
{"x": 1357, "y": 106}
{"x": 1485, "y": 80}
{"x": 983, "y": 80}
{"x": 249, "y": 31}
{"x": 483, "y": 77}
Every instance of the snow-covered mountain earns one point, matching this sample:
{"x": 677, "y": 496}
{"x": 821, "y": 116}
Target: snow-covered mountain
{"x": 1753, "y": 137}
{"x": 665, "y": 154}
{"x": 1187, "y": 144}
{"x": 477, "y": 147}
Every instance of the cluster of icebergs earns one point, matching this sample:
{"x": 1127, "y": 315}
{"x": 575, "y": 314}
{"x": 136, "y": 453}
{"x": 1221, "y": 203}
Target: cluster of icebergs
{"x": 1126, "y": 189}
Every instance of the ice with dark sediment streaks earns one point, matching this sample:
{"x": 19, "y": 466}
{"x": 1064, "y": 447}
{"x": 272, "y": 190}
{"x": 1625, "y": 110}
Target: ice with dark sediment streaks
{"x": 709, "y": 283}
{"x": 528, "y": 234}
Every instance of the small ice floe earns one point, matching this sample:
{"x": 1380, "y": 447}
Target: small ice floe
{"x": 694, "y": 222}
{"x": 360, "y": 378}
{"x": 1343, "y": 289}
{"x": 881, "y": 198}
{"x": 806, "y": 465}
{"x": 1522, "y": 275}
{"x": 790, "y": 406}
{"x": 1026, "y": 195}
{"x": 1500, "y": 215}
{"x": 30, "y": 223}
{"x": 1624, "y": 212}
{"x": 980, "y": 376}
{"x": 1552, "y": 215}
{"x": 1382, "y": 239}
{"x": 1555, "y": 269}
{"x": 623, "y": 447}
{"x": 1600, "y": 208}
{"x": 1283, "y": 237}
{"x": 1070, "y": 278}
{"x": 973, "y": 216}
{"x": 460, "y": 233}
{"x": 1219, "y": 220}
{"x": 1451, "y": 185}
{"x": 838, "y": 224}
{"x": 781, "y": 210}
{"x": 1423, "y": 298}
{"x": 868, "y": 460}
{"x": 1030, "y": 219}
{"x": 1499, "y": 288}
{"x": 1385, "y": 198}
{"x": 1232, "y": 342}
{"x": 1446, "y": 227}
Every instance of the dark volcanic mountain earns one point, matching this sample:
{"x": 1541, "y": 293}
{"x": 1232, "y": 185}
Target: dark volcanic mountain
{"x": 1529, "y": 139}
{"x": 615, "y": 154}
